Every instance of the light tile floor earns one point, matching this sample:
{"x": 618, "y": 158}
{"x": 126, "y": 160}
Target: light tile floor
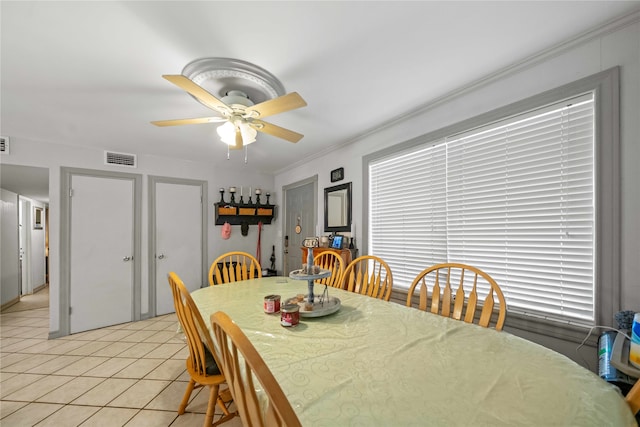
{"x": 124, "y": 375}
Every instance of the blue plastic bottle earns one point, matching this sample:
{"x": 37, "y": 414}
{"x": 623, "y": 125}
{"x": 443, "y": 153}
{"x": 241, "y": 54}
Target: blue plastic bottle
{"x": 605, "y": 346}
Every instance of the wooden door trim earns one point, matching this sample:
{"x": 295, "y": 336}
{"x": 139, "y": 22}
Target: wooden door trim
{"x": 153, "y": 181}
{"x": 64, "y": 300}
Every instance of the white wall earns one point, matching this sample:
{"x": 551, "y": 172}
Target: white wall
{"x": 574, "y": 60}
{"x": 618, "y": 44}
{"x": 54, "y": 156}
{"x": 9, "y": 283}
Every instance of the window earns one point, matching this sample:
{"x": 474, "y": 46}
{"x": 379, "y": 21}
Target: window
{"x": 515, "y": 196}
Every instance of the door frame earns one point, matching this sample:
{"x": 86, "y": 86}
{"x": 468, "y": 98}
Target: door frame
{"x": 24, "y": 245}
{"x": 153, "y": 180}
{"x": 66, "y": 175}
{"x": 285, "y": 188}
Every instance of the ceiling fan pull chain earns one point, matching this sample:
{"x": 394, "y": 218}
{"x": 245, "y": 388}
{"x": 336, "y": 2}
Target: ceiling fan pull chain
{"x": 228, "y": 151}
{"x": 246, "y": 155}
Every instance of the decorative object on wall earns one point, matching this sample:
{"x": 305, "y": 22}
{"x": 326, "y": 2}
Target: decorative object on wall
{"x": 243, "y": 212}
{"x": 37, "y": 218}
{"x": 244, "y": 228}
{"x": 237, "y": 84}
{"x": 337, "y": 208}
{"x": 226, "y": 231}
{"x": 337, "y": 174}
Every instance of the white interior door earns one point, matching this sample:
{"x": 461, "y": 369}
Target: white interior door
{"x": 300, "y": 210}
{"x": 179, "y": 237}
{"x": 9, "y": 247}
{"x": 101, "y": 248}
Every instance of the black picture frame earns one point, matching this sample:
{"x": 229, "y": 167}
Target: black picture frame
{"x": 337, "y": 174}
{"x": 337, "y": 242}
{"x": 341, "y": 192}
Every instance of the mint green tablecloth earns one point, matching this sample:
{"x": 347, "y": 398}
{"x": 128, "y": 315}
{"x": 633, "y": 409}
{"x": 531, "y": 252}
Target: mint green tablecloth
{"x": 376, "y": 363}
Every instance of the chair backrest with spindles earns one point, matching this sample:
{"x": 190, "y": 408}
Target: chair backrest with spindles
{"x": 436, "y": 293}
{"x": 241, "y": 364}
{"x": 369, "y": 275}
{"x": 193, "y": 326}
{"x": 332, "y": 261}
{"x": 233, "y": 267}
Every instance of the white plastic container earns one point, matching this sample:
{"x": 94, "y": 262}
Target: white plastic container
{"x": 634, "y": 348}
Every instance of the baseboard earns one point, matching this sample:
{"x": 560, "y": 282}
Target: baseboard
{"x": 39, "y": 288}
{"x": 10, "y": 303}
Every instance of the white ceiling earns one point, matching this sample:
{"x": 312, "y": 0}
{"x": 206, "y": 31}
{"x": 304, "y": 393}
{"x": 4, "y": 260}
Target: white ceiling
{"x": 89, "y": 73}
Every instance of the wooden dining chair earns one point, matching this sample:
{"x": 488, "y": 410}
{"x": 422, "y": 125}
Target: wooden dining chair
{"x": 233, "y": 267}
{"x": 436, "y": 294}
{"x": 241, "y": 365}
{"x": 201, "y": 364}
{"x": 633, "y": 398}
{"x": 368, "y": 275}
{"x": 332, "y": 261}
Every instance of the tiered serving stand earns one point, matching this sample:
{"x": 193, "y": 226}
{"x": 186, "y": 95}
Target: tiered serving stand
{"x": 321, "y": 305}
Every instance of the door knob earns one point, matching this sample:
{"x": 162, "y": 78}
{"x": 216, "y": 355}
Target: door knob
{"x": 161, "y": 256}
{"x": 127, "y": 258}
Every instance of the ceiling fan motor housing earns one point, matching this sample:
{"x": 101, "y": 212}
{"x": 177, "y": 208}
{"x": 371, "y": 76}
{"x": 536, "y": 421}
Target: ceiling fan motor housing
{"x": 237, "y": 97}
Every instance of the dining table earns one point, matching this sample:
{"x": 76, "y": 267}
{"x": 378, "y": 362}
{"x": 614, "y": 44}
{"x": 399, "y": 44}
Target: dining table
{"x": 378, "y": 363}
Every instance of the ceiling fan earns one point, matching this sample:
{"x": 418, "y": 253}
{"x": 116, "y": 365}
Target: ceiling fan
{"x": 240, "y": 116}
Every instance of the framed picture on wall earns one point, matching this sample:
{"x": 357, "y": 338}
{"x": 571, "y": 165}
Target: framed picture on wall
{"x": 37, "y": 218}
{"x": 337, "y": 174}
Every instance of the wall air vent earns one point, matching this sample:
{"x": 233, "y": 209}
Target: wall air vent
{"x": 120, "y": 159}
{"x": 4, "y": 145}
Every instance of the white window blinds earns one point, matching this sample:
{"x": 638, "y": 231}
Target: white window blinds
{"x": 514, "y": 198}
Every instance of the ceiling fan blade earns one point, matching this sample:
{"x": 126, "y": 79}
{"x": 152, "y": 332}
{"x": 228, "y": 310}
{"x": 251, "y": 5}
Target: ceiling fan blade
{"x": 195, "y": 121}
{"x": 205, "y": 97}
{"x": 277, "y": 131}
{"x": 280, "y": 104}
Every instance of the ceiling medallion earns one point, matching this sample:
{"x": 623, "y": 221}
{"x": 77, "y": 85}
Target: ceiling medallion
{"x": 221, "y": 75}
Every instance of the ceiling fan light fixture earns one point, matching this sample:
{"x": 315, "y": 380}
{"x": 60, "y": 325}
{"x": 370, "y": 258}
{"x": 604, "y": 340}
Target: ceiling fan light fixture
{"x": 248, "y": 134}
{"x": 227, "y": 133}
